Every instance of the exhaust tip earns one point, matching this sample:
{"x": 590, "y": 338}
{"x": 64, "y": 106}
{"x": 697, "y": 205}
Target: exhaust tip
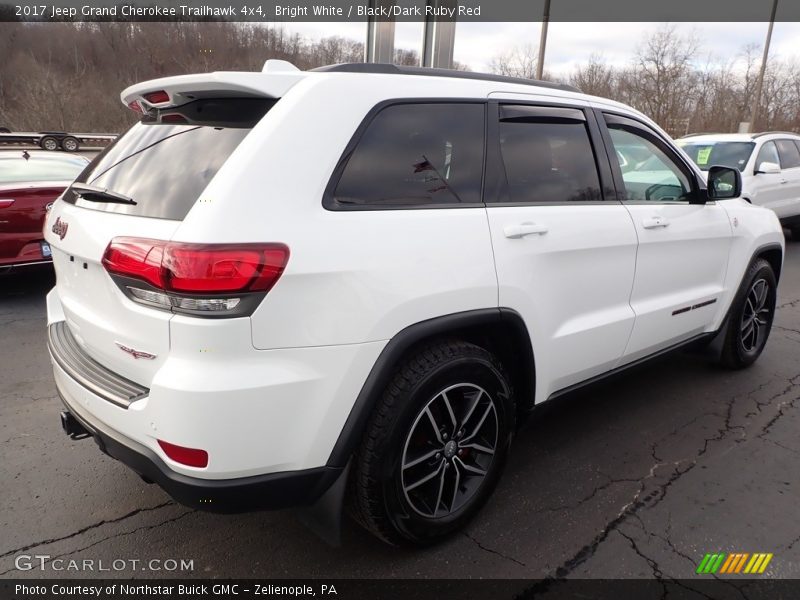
{"x": 72, "y": 427}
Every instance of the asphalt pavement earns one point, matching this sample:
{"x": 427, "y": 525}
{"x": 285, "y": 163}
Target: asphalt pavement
{"x": 634, "y": 478}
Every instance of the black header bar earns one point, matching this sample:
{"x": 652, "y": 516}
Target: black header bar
{"x": 289, "y": 11}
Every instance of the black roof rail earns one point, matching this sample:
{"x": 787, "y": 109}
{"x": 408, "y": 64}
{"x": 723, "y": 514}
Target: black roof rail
{"x": 388, "y": 69}
{"x": 757, "y": 135}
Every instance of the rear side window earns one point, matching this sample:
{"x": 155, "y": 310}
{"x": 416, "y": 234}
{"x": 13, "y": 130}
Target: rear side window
{"x": 790, "y": 155}
{"x": 416, "y": 155}
{"x": 164, "y": 162}
{"x": 547, "y": 155}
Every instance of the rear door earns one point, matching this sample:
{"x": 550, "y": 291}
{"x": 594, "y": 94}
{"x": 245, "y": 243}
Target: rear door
{"x": 767, "y": 189}
{"x": 683, "y": 246}
{"x": 162, "y": 164}
{"x": 788, "y": 203}
{"x": 565, "y": 249}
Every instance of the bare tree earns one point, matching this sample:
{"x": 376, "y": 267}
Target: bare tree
{"x": 519, "y": 61}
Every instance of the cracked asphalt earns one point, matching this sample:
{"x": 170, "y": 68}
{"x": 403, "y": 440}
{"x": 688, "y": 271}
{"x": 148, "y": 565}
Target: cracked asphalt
{"x": 634, "y": 478}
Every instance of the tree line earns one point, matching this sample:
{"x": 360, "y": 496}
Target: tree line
{"x": 68, "y": 76}
{"x": 671, "y": 81}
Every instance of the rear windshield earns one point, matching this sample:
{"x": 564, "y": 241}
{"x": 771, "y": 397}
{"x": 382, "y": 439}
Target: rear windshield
{"x": 164, "y": 162}
{"x": 718, "y": 154}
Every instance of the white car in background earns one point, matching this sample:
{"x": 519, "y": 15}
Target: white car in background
{"x": 769, "y": 163}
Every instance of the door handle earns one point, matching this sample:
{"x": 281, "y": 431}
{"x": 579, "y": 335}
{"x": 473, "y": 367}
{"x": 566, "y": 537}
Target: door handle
{"x": 654, "y": 222}
{"x": 4, "y": 202}
{"x": 523, "y": 229}
{"x": 784, "y": 181}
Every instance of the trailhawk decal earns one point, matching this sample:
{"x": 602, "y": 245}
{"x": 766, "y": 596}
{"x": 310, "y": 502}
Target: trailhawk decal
{"x": 137, "y": 354}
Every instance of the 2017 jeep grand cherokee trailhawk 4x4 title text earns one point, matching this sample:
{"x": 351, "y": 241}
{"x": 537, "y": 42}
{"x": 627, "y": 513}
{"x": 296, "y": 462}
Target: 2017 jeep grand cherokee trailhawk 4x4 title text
{"x": 281, "y": 287}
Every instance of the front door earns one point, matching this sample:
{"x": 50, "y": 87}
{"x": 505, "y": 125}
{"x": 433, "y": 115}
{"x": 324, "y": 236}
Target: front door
{"x": 683, "y": 244}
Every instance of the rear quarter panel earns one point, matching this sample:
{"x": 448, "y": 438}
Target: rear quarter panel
{"x": 352, "y": 277}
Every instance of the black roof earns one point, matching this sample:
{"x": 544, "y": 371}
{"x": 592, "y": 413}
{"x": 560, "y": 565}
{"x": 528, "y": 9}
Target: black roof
{"x": 388, "y": 69}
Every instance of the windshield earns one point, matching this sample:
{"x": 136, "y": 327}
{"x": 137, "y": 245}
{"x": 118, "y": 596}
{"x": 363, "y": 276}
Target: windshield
{"x": 718, "y": 154}
{"x": 164, "y": 167}
{"x": 17, "y": 169}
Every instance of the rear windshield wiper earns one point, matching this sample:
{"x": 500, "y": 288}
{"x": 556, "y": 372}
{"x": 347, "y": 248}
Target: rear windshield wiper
{"x": 97, "y": 194}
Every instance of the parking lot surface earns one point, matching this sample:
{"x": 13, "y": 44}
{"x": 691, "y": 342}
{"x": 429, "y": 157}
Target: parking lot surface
{"x": 638, "y": 477}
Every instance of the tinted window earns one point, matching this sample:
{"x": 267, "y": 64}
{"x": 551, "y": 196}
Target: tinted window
{"x": 14, "y": 168}
{"x": 164, "y": 167}
{"x": 718, "y": 154}
{"x": 790, "y": 156}
{"x": 548, "y": 160}
{"x": 416, "y": 154}
{"x": 657, "y": 178}
{"x": 768, "y": 153}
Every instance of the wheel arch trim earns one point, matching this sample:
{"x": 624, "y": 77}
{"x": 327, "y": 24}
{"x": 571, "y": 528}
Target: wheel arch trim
{"x": 765, "y": 251}
{"x": 384, "y": 367}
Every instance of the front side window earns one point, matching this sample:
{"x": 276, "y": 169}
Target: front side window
{"x": 547, "y": 158}
{"x": 768, "y": 153}
{"x": 416, "y": 155}
{"x": 650, "y": 174}
{"x": 790, "y": 155}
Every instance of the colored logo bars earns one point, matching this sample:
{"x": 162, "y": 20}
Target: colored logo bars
{"x": 742, "y": 562}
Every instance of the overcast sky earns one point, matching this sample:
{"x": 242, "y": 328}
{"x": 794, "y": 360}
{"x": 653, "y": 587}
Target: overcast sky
{"x": 570, "y": 44}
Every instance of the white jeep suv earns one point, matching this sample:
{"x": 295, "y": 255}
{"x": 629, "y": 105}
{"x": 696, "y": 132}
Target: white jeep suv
{"x": 284, "y": 288}
{"x": 769, "y": 163}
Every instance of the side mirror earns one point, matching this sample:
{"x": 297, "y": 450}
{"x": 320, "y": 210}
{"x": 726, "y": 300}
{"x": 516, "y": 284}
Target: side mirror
{"x": 768, "y": 168}
{"x": 724, "y": 183}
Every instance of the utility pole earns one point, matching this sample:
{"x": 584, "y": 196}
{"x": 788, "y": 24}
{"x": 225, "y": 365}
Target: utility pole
{"x": 760, "y": 80}
{"x": 543, "y": 39}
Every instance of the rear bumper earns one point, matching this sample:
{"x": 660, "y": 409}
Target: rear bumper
{"x": 271, "y": 491}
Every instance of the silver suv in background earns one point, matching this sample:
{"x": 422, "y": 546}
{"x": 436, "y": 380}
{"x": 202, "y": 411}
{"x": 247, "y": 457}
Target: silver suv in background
{"x": 769, "y": 163}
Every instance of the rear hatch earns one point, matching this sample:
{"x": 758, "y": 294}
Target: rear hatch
{"x": 143, "y": 186}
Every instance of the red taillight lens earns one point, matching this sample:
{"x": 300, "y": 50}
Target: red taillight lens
{"x": 221, "y": 269}
{"x": 156, "y": 97}
{"x": 197, "y": 268}
{"x": 137, "y": 258}
{"x": 191, "y": 457}
{"x": 135, "y": 107}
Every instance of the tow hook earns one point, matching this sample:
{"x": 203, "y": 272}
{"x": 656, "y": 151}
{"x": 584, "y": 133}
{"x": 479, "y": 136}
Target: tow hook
{"x": 72, "y": 427}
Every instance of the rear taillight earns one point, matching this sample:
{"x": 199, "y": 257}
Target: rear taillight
{"x": 136, "y": 258}
{"x": 194, "y": 278}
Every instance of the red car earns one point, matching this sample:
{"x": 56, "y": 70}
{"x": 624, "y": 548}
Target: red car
{"x": 29, "y": 182}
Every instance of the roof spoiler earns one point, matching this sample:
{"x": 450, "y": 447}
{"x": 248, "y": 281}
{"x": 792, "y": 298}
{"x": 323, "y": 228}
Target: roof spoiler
{"x": 169, "y": 92}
